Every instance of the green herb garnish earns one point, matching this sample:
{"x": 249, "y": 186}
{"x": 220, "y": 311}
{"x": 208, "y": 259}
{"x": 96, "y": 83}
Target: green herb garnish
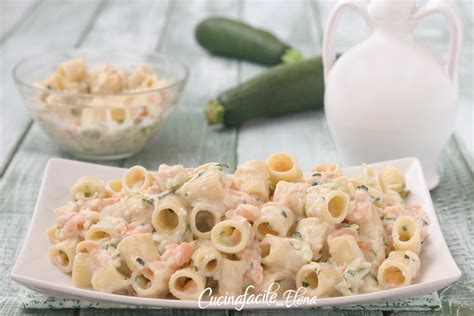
{"x": 283, "y": 213}
{"x": 222, "y": 166}
{"x": 304, "y": 284}
{"x": 150, "y": 202}
{"x": 363, "y": 187}
{"x": 296, "y": 235}
{"x": 140, "y": 261}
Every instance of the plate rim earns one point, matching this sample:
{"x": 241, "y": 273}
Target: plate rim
{"x": 158, "y": 303}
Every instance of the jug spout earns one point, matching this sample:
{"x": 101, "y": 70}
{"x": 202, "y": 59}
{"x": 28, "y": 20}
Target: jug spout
{"x": 393, "y": 15}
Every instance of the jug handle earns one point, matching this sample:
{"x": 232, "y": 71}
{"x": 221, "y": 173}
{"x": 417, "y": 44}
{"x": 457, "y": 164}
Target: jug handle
{"x": 455, "y": 26}
{"x": 329, "y": 55}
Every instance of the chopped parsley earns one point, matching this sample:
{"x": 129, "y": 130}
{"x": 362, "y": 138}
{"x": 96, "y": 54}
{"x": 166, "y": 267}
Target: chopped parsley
{"x": 404, "y": 228}
{"x": 150, "y": 202}
{"x": 406, "y": 257}
{"x": 195, "y": 268}
{"x": 363, "y": 187}
{"x": 375, "y": 198}
{"x": 315, "y": 184}
{"x": 351, "y": 272}
{"x": 304, "y": 284}
{"x": 317, "y": 174}
{"x": 163, "y": 194}
{"x": 140, "y": 261}
{"x": 425, "y": 223}
{"x": 171, "y": 190}
{"x": 296, "y": 235}
{"x": 201, "y": 173}
{"x": 222, "y": 166}
{"x": 283, "y": 213}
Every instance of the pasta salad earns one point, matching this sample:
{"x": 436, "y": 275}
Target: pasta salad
{"x": 177, "y": 232}
{"x": 105, "y": 110}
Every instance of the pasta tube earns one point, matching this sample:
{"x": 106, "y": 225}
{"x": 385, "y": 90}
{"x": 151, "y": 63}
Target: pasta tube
{"x": 288, "y": 254}
{"x": 230, "y": 279}
{"x": 292, "y": 195}
{"x": 169, "y": 215}
{"x": 276, "y": 220}
{"x": 137, "y": 247}
{"x": 392, "y": 179}
{"x": 319, "y": 279}
{"x": 252, "y": 177}
{"x": 63, "y": 253}
{"x": 344, "y": 249}
{"x": 73, "y": 70}
{"x": 205, "y": 186}
{"x": 151, "y": 281}
{"x": 136, "y": 179}
{"x": 283, "y": 167}
{"x": 232, "y": 236}
{"x": 85, "y": 188}
{"x": 202, "y": 219}
{"x": 329, "y": 205}
{"x": 406, "y": 234}
{"x": 276, "y": 280}
{"x": 370, "y": 178}
{"x": 399, "y": 269}
{"x": 82, "y": 270}
{"x": 52, "y": 234}
{"x": 107, "y": 227}
{"x": 113, "y": 186}
{"x": 187, "y": 284}
{"x": 207, "y": 259}
{"x": 109, "y": 280}
{"x": 313, "y": 231}
{"x": 93, "y": 116}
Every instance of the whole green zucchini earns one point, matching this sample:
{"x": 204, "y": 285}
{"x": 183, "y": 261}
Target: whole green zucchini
{"x": 280, "y": 90}
{"x": 226, "y": 37}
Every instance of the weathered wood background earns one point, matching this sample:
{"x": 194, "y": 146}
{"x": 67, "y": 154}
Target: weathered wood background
{"x": 33, "y": 26}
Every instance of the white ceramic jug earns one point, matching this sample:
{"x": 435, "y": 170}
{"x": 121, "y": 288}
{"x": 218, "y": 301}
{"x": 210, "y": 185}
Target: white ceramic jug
{"x": 390, "y": 97}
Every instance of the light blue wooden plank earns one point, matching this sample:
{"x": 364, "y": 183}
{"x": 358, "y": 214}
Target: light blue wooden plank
{"x": 310, "y": 312}
{"x": 52, "y": 25}
{"x": 465, "y": 121}
{"x": 160, "y": 312}
{"x": 20, "y": 184}
{"x": 304, "y": 135}
{"x": 13, "y": 13}
{"x": 186, "y": 138}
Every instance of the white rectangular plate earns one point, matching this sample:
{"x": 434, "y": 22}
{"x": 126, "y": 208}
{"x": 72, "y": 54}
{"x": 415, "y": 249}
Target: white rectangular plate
{"x": 34, "y": 270}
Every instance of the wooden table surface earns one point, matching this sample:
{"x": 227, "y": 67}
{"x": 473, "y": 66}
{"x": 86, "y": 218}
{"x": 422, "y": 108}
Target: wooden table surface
{"x": 34, "y": 26}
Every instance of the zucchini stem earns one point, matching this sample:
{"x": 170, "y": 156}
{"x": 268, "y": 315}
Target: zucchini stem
{"x": 214, "y": 112}
{"x": 291, "y": 55}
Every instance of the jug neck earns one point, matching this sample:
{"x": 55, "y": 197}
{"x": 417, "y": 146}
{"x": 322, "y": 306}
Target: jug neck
{"x": 393, "y": 16}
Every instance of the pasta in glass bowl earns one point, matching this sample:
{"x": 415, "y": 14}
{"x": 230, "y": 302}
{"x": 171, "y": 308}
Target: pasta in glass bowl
{"x": 107, "y": 111}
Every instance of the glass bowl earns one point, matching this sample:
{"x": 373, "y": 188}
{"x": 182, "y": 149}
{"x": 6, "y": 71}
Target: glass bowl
{"x": 100, "y": 127}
